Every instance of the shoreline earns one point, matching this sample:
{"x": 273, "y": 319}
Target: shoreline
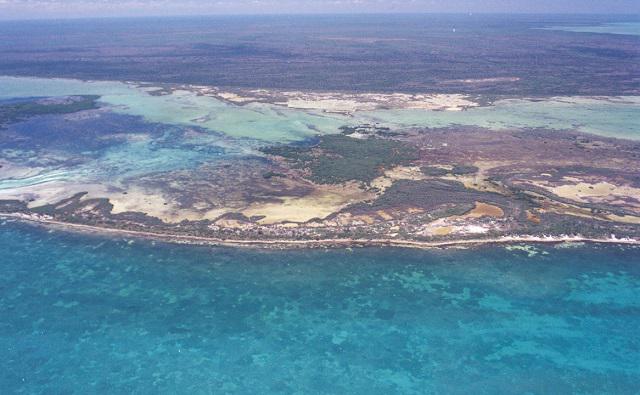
{"x": 297, "y": 244}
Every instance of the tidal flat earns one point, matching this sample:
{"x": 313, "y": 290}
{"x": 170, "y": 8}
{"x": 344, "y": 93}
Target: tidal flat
{"x": 257, "y": 165}
{"x": 275, "y": 121}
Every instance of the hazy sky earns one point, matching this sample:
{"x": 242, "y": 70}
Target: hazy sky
{"x": 20, "y": 9}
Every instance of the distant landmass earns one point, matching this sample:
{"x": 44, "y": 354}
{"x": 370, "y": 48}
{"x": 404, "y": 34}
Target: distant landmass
{"x": 377, "y": 53}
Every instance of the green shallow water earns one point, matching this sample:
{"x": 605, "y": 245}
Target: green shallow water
{"x": 607, "y": 116}
{"x": 255, "y": 121}
{"x": 611, "y": 117}
{"x": 84, "y": 314}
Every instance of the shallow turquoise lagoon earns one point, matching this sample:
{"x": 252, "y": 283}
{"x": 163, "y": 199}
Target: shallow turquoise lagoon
{"x": 255, "y": 121}
{"x": 85, "y": 314}
{"x": 612, "y": 117}
{"x": 607, "y": 116}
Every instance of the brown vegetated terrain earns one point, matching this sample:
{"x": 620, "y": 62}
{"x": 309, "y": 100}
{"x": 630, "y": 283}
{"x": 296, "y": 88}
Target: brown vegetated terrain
{"x": 372, "y": 183}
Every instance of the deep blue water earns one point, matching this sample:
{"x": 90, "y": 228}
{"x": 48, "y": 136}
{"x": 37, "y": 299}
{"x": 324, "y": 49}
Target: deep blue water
{"x": 85, "y": 314}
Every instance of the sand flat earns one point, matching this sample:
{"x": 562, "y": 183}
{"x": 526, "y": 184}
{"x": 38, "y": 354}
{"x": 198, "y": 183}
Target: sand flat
{"x": 599, "y": 192}
{"x": 323, "y": 202}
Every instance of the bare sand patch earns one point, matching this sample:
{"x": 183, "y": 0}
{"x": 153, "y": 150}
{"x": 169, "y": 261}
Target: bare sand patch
{"x": 600, "y": 192}
{"x": 230, "y": 223}
{"x": 329, "y": 105}
{"x": 384, "y": 215}
{"x": 154, "y": 203}
{"x": 479, "y": 181}
{"x": 350, "y": 103}
{"x": 442, "y": 230}
{"x": 452, "y": 225}
{"x": 405, "y": 173}
{"x": 365, "y": 219}
{"x": 235, "y": 98}
{"x": 574, "y": 211}
{"x": 321, "y": 203}
{"x": 397, "y": 173}
{"x": 627, "y": 219}
{"x": 532, "y": 217}
{"x": 485, "y": 210}
{"x": 150, "y": 202}
{"x": 51, "y": 192}
{"x": 381, "y": 183}
{"x": 343, "y": 103}
{"x": 133, "y": 199}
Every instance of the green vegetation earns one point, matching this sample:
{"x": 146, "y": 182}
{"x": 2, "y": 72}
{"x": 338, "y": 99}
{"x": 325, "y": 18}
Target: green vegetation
{"x": 271, "y": 174}
{"x": 15, "y": 112}
{"x": 434, "y": 171}
{"x": 457, "y": 170}
{"x": 443, "y": 196}
{"x": 460, "y": 170}
{"x": 338, "y": 158}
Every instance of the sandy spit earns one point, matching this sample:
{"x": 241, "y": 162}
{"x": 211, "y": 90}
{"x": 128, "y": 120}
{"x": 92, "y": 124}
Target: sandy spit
{"x": 324, "y": 243}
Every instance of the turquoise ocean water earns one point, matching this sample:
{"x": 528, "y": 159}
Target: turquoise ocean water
{"x": 86, "y": 314}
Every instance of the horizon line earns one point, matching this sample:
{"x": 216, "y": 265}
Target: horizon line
{"x": 306, "y": 14}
